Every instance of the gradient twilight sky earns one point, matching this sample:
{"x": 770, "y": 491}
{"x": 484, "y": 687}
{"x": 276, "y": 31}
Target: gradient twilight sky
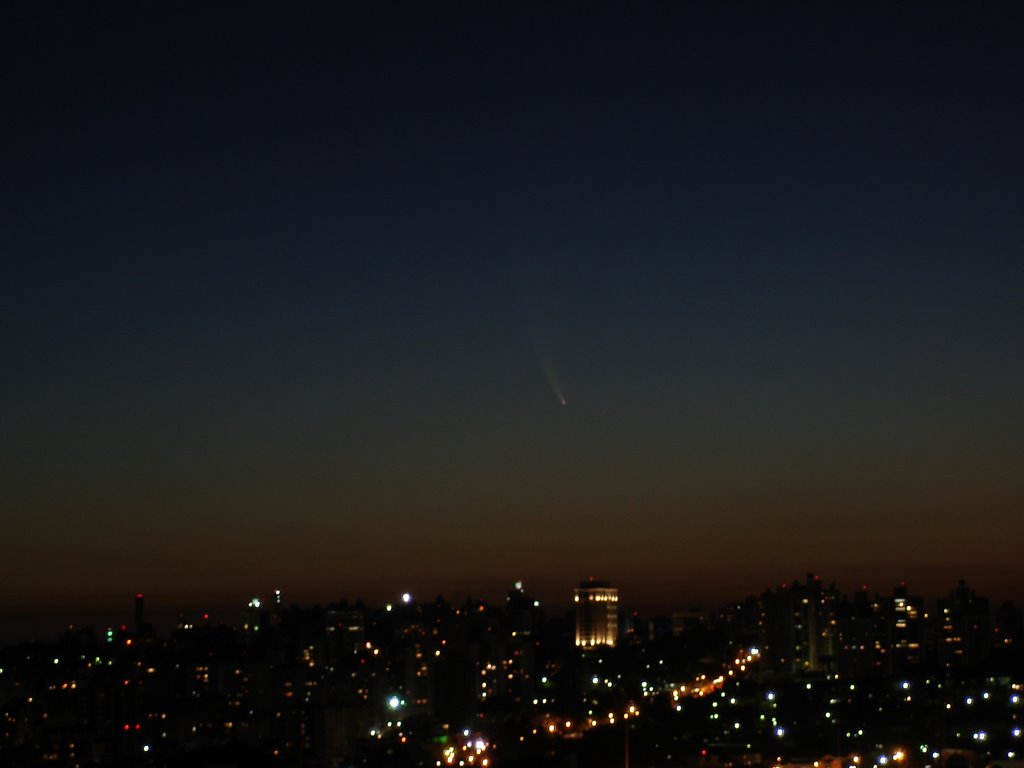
{"x": 288, "y": 298}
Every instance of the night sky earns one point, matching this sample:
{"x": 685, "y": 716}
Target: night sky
{"x": 293, "y": 299}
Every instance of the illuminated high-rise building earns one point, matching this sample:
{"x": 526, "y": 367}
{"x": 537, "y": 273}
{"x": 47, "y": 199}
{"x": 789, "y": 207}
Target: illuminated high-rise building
{"x": 905, "y": 631}
{"x": 597, "y": 613}
{"x": 518, "y": 665}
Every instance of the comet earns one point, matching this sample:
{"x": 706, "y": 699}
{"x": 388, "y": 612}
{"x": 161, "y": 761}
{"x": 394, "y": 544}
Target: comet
{"x": 535, "y": 324}
{"x": 548, "y": 368}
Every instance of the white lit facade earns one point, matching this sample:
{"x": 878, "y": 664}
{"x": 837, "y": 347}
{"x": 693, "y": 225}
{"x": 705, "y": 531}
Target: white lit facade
{"x": 597, "y": 614}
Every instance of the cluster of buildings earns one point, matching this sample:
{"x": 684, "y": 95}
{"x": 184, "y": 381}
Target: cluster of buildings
{"x": 798, "y": 672}
{"x": 808, "y": 627}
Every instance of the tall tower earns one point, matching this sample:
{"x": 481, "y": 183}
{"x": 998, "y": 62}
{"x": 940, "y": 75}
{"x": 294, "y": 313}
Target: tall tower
{"x": 139, "y": 604}
{"x": 966, "y": 633}
{"x": 905, "y": 631}
{"x": 597, "y": 613}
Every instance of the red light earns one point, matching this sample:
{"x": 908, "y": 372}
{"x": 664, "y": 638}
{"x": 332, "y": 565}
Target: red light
{"x": 139, "y": 595}
{"x": 206, "y": 617}
{"x": 127, "y": 727}
{"x": 703, "y": 753}
{"x": 137, "y": 726}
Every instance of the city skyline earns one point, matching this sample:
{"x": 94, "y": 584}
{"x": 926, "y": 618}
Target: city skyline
{"x": 800, "y": 672}
{"x": 690, "y": 297}
{"x": 26, "y": 622}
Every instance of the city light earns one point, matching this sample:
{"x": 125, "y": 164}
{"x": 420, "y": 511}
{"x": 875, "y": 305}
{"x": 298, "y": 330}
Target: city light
{"x": 404, "y": 650}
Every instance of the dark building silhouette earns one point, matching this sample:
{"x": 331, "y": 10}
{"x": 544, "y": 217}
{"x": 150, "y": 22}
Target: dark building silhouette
{"x": 861, "y": 631}
{"x": 965, "y": 633}
{"x": 799, "y": 626}
{"x": 139, "y": 616}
